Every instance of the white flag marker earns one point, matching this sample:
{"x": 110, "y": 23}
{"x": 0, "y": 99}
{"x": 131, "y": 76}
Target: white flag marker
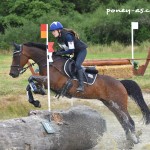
{"x": 134, "y": 25}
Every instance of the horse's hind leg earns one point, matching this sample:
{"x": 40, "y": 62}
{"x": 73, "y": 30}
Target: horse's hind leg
{"x": 124, "y": 119}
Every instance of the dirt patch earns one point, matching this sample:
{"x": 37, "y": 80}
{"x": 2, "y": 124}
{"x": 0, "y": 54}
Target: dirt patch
{"x": 115, "y": 138}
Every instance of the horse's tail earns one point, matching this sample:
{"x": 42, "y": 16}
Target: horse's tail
{"x": 135, "y": 93}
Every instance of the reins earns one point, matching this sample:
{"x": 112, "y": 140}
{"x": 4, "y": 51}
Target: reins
{"x": 31, "y": 64}
{"x": 24, "y": 69}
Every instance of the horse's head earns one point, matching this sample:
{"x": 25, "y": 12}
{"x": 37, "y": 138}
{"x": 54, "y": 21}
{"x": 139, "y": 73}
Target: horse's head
{"x": 34, "y": 51}
{"x": 18, "y": 61}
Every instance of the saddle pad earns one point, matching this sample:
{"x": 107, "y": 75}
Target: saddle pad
{"x": 70, "y": 71}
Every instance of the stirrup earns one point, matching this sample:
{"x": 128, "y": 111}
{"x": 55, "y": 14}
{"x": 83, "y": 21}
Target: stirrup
{"x": 80, "y": 89}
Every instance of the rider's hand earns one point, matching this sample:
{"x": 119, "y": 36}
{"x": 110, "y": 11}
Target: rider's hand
{"x": 59, "y": 53}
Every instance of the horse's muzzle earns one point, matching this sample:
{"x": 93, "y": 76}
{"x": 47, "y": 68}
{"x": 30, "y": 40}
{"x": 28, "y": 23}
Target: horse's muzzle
{"x": 13, "y": 75}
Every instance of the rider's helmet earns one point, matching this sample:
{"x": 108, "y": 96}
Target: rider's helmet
{"x": 56, "y": 26}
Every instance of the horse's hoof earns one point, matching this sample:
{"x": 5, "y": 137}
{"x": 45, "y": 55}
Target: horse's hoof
{"x": 37, "y": 104}
{"x": 139, "y": 133}
{"x": 133, "y": 138}
{"x": 147, "y": 122}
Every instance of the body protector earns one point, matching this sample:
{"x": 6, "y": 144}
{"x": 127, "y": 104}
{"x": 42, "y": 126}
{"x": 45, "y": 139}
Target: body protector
{"x": 69, "y": 43}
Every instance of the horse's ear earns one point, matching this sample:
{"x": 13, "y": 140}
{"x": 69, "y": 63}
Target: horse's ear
{"x": 16, "y": 46}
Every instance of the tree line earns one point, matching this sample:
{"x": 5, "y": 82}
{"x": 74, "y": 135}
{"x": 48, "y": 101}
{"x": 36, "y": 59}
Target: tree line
{"x": 96, "y": 21}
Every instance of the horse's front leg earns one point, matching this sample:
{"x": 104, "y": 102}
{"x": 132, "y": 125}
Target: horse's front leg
{"x": 31, "y": 100}
{"x": 37, "y": 87}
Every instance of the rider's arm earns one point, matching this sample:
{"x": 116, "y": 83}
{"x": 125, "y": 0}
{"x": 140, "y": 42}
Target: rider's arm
{"x": 70, "y": 42}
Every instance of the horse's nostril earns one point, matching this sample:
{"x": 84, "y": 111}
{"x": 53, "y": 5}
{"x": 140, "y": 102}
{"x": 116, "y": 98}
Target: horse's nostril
{"x": 13, "y": 75}
{"x": 10, "y": 74}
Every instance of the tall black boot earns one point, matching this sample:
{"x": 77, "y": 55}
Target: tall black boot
{"x": 80, "y": 78}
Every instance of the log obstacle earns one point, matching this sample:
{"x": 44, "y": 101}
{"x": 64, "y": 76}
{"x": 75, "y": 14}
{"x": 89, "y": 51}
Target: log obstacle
{"x": 78, "y": 128}
{"x": 117, "y": 68}
{"x": 106, "y": 62}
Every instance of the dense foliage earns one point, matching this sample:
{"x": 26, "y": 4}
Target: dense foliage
{"x": 96, "y": 21}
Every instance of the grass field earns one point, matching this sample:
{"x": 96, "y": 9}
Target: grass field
{"x": 13, "y": 99}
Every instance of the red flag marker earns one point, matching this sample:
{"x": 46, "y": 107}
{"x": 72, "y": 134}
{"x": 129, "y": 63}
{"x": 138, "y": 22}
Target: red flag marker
{"x": 43, "y": 27}
{"x": 50, "y": 47}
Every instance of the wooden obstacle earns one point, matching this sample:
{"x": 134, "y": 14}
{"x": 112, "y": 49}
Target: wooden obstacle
{"x": 106, "y": 62}
{"x": 117, "y": 68}
{"x": 116, "y": 71}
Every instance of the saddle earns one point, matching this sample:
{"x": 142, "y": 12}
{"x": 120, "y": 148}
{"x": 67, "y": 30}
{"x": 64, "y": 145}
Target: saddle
{"x": 89, "y": 73}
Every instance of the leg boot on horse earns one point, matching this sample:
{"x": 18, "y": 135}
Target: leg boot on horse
{"x": 80, "y": 79}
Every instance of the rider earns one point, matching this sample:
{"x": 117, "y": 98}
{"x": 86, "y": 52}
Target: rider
{"x": 70, "y": 43}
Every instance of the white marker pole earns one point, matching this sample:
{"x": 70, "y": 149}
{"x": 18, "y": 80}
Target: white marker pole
{"x": 134, "y": 25}
{"x": 48, "y": 75}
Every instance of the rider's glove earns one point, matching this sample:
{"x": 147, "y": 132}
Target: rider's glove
{"x": 59, "y": 53}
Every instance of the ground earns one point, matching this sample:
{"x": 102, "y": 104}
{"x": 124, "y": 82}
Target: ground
{"x": 115, "y": 138}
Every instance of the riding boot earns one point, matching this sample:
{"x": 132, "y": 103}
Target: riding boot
{"x": 80, "y": 78}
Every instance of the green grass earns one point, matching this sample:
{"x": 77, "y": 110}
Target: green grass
{"x": 116, "y": 50}
{"x": 13, "y": 99}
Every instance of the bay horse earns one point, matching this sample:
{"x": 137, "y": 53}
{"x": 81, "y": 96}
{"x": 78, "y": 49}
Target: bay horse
{"x": 112, "y": 92}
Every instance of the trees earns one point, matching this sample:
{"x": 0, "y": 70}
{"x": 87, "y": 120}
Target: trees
{"x": 89, "y": 18}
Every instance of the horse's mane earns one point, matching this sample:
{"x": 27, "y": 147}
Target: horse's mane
{"x": 38, "y": 45}
{"x": 43, "y": 47}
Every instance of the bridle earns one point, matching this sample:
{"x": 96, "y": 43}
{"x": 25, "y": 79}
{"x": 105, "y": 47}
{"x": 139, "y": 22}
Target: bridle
{"x": 18, "y": 53}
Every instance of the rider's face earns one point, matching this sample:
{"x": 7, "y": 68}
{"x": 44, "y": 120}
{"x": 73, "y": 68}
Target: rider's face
{"x": 55, "y": 33}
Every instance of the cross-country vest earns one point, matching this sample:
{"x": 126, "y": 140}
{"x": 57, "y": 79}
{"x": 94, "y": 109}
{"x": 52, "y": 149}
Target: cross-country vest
{"x": 78, "y": 44}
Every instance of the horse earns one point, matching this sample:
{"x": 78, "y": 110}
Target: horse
{"x": 112, "y": 92}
